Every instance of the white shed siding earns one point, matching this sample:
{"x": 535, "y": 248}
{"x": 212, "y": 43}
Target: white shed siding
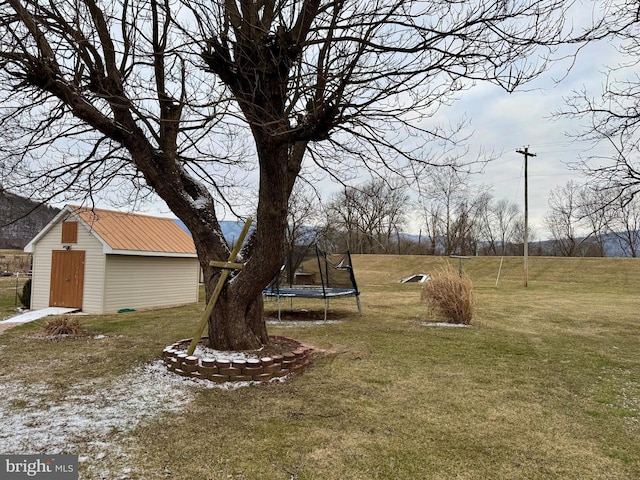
{"x": 149, "y": 282}
{"x": 93, "y": 273}
{"x": 41, "y": 274}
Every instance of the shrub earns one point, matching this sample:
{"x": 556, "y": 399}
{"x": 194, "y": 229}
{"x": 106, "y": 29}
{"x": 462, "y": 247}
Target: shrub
{"x": 25, "y": 296}
{"x": 65, "y": 325}
{"x": 450, "y": 296}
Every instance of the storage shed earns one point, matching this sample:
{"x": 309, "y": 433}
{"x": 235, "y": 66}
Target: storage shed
{"x": 102, "y": 261}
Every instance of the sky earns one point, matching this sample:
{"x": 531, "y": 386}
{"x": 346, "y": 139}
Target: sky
{"x": 506, "y": 123}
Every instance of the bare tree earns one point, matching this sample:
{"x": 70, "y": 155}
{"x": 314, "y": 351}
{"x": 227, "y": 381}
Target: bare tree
{"x": 565, "y": 221}
{"x": 431, "y": 213}
{"x": 498, "y": 220}
{"x": 517, "y": 247}
{"x": 343, "y": 216}
{"x": 370, "y": 215}
{"x": 445, "y": 189}
{"x": 467, "y": 227}
{"x": 112, "y": 94}
{"x": 453, "y": 210}
{"x": 305, "y": 226}
{"x": 624, "y": 224}
{"x": 594, "y": 211}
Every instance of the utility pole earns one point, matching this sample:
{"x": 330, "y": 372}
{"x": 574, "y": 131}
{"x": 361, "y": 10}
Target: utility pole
{"x": 526, "y": 154}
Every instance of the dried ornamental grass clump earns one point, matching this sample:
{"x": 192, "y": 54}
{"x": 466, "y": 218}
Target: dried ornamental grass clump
{"x": 450, "y": 296}
{"x": 65, "y": 325}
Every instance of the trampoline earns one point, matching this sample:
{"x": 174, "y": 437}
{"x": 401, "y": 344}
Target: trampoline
{"x": 321, "y": 276}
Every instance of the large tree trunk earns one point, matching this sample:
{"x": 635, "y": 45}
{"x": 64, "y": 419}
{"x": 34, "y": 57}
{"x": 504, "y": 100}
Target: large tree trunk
{"x": 237, "y": 322}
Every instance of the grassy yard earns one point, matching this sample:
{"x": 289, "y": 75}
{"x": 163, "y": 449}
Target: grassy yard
{"x": 544, "y": 385}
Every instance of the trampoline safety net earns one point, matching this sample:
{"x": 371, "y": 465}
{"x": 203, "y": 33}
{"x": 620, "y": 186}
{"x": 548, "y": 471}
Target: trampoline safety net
{"x": 315, "y": 274}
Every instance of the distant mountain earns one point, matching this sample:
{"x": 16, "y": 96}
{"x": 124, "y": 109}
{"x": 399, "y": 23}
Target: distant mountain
{"x": 613, "y": 247}
{"x": 230, "y": 229}
{"x": 21, "y": 219}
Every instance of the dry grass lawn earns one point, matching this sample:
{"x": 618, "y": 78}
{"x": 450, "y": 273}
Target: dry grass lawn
{"x": 544, "y": 384}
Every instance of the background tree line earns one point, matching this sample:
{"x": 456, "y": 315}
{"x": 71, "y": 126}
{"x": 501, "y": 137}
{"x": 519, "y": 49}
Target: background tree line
{"x": 457, "y": 217}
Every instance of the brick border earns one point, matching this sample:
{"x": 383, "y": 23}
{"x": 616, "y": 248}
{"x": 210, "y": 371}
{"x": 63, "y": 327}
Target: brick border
{"x": 221, "y": 370}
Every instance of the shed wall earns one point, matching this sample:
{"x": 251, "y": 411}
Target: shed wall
{"x": 149, "y": 282}
{"x": 93, "y": 271}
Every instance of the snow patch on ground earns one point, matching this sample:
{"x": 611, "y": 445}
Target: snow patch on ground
{"x": 35, "y": 421}
{"x": 92, "y": 419}
{"x": 443, "y": 324}
{"x": 210, "y": 353}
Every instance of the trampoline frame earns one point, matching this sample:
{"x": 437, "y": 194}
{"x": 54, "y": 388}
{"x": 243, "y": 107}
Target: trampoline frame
{"x": 322, "y": 291}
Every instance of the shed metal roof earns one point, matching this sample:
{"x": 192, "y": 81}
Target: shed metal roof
{"x": 141, "y": 233}
{"x": 129, "y": 233}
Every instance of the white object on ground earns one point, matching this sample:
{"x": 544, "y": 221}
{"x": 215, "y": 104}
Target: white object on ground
{"x": 37, "y": 314}
{"x": 416, "y": 278}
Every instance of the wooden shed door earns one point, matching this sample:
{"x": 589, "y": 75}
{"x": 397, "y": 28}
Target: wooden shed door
{"x": 67, "y": 278}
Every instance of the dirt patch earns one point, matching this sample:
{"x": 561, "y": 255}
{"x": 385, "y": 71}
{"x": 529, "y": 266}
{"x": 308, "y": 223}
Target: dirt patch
{"x": 6, "y": 326}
